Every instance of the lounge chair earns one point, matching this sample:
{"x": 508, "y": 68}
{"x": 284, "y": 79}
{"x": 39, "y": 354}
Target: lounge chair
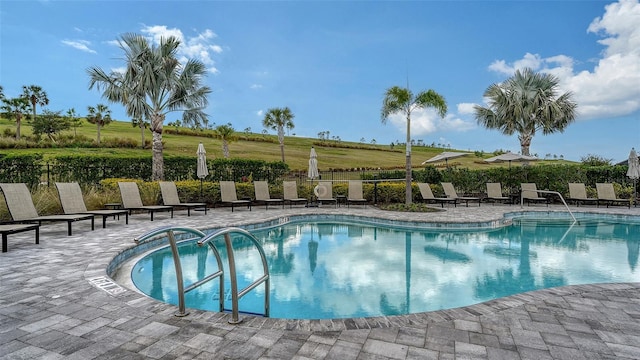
{"x": 21, "y": 208}
{"x": 131, "y": 199}
{"x": 73, "y": 203}
{"x": 290, "y": 192}
{"x": 530, "y": 194}
{"x": 8, "y": 229}
{"x": 170, "y": 198}
{"x": 262, "y": 195}
{"x": 607, "y": 195}
{"x": 578, "y": 193}
{"x": 427, "y": 196}
{"x": 494, "y": 193}
{"x": 324, "y": 193}
{"x": 450, "y": 191}
{"x": 355, "y": 193}
{"x": 230, "y": 197}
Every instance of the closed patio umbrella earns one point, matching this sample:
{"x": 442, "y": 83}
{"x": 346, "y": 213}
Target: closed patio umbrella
{"x": 634, "y": 170}
{"x": 313, "y": 164}
{"x": 202, "y": 170}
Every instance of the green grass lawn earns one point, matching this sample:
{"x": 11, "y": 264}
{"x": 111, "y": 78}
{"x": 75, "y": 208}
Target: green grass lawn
{"x": 296, "y": 149}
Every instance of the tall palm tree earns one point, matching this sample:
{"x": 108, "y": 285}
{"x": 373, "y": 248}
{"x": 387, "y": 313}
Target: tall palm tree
{"x": 99, "y": 115}
{"x": 402, "y": 100}
{"x": 36, "y": 96}
{"x": 226, "y": 134}
{"x": 526, "y": 103}
{"x": 16, "y": 107}
{"x": 278, "y": 119}
{"x": 154, "y": 84}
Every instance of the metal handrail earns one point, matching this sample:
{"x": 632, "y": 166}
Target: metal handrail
{"x": 170, "y": 231}
{"x": 235, "y": 295}
{"x": 549, "y": 192}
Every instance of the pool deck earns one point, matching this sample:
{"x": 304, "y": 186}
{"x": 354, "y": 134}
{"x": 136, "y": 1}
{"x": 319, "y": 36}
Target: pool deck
{"x": 57, "y": 302}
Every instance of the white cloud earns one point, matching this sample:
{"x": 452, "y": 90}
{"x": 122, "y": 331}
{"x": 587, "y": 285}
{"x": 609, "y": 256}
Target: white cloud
{"x": 611, "y": 88}
{"x": 195, "y": 47}
{"x": 82, "y": 45}
{"x": 260, "y": 113}
{"x": 255, "y": 86}
{"x": 466, "y": 108}
{"x": 427, "y": 121}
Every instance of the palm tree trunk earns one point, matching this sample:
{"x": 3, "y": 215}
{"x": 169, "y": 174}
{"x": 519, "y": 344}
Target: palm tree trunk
{"x": 142, "y": 134}
{"x": 407, "y": 183}
{"x": 157, "y": 159}
{"x": 225, "y": 149}
{"x": 98, "y": 132}
{"x": 281, "y": 140}
{"x": 525, "y": 143}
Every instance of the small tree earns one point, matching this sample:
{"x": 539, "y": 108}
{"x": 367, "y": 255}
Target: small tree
{"x": 16, "y": 108}
{"x": 73, "y": 120}
{"x": 226, "y": 133}
{"x": 142, "y": 125}
{"x": 99, "y": 115}
{"x": 595, "y": 160}
{"x": 50, "y": 123}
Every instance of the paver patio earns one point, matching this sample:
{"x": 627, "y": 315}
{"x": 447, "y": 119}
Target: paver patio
{"x": 57, "y": 302}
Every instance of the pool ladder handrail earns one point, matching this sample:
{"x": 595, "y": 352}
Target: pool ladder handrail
{"x": 170, "y": 231}
{"x": 549, "y": 192}
{"x": 209, "y": 239}
{"x": 235, "y": 294}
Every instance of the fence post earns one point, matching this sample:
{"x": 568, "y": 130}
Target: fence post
{"x": 375, "y": 189}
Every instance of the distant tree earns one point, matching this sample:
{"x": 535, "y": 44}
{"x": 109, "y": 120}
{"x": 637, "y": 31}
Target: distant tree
{"x": 36, "y": 96}
{"x": 142, "y": 125}
{"x": 373, "y": 141}
{"x": 595, "y": 160}
{"x": 153, "y": 84}
{"x": 16, "y": 108}
{"x": 247, "y": 130}
{"x": 401, "y": 100}
{"x": 226, "y": 133}
{"x": 50, "y": 123}
{"x": 278, "y": 119}
{"x": 1, "y": 93}
{"x": 73, "y": 120}
{"x": 99, "y": 115}
{"x": 526, "y": 103}
{"x": 363, "y": 140}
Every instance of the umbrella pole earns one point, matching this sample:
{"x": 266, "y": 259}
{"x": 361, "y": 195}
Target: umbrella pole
{"x": 201, "y": 190}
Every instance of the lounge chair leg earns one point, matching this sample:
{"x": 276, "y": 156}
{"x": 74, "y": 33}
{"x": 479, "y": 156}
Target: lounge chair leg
{"x": 69, "y": 228}
{"x": 4, "y": 242}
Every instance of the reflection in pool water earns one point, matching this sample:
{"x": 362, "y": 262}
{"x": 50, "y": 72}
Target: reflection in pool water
{"x": 338, "y": 270}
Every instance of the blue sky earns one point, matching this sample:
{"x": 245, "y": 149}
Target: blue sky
{"x": 331, "y": 62}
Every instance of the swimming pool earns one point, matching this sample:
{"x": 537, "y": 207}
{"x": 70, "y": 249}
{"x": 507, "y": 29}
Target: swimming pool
{"x": 344, "y": 269}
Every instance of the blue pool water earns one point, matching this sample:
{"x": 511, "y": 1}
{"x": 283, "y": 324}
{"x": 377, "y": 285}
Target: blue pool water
{"x": 338, "y": 270}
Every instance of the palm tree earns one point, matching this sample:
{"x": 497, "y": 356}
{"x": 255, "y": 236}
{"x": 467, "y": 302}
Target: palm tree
{"x": 526, "y": 103}
{"x": 226, "y": 134}
{"x": 154, "y": 84}
{"x": 99, "y": 115}
{"x": 142, "y": 125}
{"x": 402, "y": 100}
{"x": 278, "y": 119}
{"x": 36, "y": 96}
{"x": 73, "y": 120}
{"x": 16, "y": 107}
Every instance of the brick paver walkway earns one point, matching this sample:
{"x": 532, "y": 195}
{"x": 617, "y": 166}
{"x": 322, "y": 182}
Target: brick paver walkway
{"x": 57, "y": 302}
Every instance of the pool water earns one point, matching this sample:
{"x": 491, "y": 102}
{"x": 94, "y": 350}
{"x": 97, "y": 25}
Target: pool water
{"x": 343, "y": 270}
